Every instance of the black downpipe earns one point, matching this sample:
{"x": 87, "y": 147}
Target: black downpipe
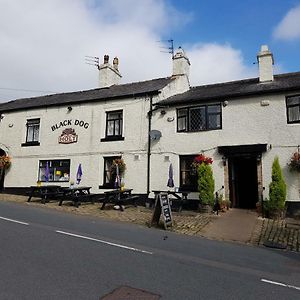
{"x": 149, "y": 146}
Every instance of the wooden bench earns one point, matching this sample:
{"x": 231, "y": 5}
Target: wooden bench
{"x": 119, "y": 197}
{"x": 78, "y": 198}
{"x": 132, "y": 199}
{"x": 45, "y": 192}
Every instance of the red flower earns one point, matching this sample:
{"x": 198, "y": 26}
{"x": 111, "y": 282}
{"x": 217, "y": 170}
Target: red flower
{"x": 202, "y": 158}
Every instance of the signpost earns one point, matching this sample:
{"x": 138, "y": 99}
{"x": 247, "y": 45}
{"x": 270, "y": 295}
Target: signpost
{"x": 162, "y": 206}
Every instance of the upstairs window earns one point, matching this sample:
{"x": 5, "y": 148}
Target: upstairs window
{"x": 293, "y": 109}
{"x": 32, "y": 132}
{"x": 114, "y": 125}
{"x": 199, "y": 118}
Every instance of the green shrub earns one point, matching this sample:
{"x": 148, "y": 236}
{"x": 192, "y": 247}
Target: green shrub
{"x": 206, "y": 184}
{"x": 277, "y": 188}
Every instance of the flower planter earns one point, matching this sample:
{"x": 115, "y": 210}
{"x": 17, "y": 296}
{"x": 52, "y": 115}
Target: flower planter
{"x": 205, "y": 208}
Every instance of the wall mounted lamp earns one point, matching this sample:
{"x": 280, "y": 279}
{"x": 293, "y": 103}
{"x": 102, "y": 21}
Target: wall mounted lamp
{"x": 163, "y": 112}
{"x": 225, "y": 103}
{"x": 70, "y": 108}
{"x": 1, "y": 117}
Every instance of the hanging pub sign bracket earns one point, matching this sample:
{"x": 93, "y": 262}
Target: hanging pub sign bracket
{"x": 162, "y": 206}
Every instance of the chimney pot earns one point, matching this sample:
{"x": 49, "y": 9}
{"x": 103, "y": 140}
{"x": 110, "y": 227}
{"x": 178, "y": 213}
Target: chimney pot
{"x": 116, "y": 63}
{"x": 106, "y": 59}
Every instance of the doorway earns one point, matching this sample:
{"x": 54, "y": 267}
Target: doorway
{"x": 243, "y": 181}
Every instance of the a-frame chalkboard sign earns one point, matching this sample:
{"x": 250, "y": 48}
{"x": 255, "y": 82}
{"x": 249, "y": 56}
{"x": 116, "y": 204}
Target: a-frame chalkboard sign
{"x": 162, "y": 206}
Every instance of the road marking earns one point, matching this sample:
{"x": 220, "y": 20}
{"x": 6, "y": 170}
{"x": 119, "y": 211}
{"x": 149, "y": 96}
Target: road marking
{"x": 14, "y": 221}
{"x": 104, "y": 242}
{"x": 281, "y": 284}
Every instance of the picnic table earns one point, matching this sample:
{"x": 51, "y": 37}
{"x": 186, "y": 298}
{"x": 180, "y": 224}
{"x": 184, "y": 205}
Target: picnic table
{"x": 118, "y": 197}
{"x": 77, "y": 195}
{"x": 44, "y": 192}
{"x": 178, "y": 199}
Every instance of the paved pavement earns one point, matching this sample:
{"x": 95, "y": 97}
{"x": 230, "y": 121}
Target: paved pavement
{"x": 233, "y": 225}
{"x": 237, "y": 225}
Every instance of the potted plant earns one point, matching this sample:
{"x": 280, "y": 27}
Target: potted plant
{"x": 277, "y": 192}
{"x": 206, "y": 185}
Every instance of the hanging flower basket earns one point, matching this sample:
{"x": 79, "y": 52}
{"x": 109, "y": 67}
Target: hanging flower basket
{"x": 294, "y": 163}
{"x": 120, "y": 163}
{"x": 198, "y": 160}
{"x": 5, "y": 162}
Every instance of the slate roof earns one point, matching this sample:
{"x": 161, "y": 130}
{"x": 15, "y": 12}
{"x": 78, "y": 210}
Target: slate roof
{"x": 114, "y": 92}
{"x": 234, "y": 89}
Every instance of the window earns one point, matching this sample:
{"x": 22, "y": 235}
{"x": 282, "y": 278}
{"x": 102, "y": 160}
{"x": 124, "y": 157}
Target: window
{"x": 199, "y": 118}
{"x": 114, "y": 124}
{"x": 293, "y": 109}
{"x": 109, "y": 177}
{"x": 58, "y": 170}
{"x": 188, "y": 176}
{"x": 32, "y": 132}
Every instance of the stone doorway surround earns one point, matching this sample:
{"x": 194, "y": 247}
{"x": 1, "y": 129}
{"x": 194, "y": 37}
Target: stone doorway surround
{"x": 254, "y": 150}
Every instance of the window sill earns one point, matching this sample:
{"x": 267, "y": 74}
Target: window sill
{"x": 29, "y": 144}
{"x": 293, "y": 122}
{"x": 56, "y": 181}
{"x": 195, "y": 131}
{"x": 112, "y": 139}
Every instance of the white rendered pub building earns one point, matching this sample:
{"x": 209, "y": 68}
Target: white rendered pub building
{"x": 242, "y": 125}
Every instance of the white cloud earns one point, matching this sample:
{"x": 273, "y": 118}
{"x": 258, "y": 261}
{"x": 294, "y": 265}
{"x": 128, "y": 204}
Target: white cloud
{"x": 212, "y": 63}
{"x": 289, "y": 26}
{"x": 43, "y": 44}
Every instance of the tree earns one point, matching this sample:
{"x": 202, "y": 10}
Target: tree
{"x": 206, "y": 184}
{"x": 277, "y": 188}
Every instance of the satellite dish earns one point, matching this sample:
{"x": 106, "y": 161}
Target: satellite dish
{"x": 155, "y": 135}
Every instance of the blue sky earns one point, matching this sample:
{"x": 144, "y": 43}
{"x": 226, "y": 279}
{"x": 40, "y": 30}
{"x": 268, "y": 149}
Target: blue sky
{"x": 44, "y": 43}
{"x": 244, "y": 25}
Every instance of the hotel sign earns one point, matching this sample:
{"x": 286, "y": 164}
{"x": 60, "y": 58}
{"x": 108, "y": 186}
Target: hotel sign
{"x": 68, "y": 136}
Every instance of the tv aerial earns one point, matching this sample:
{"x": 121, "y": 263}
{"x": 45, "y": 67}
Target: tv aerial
{"x": 170, "y": 48}
{"x": 92, "y": 60}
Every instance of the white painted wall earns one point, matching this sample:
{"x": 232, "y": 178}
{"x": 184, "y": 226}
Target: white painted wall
{"x": 88, "y": 151}
{"x": 244, "y": 121}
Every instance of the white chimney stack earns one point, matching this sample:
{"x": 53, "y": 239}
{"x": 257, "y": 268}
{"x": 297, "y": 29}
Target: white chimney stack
{"x": 109, "y": 74}
{"x": 265, "y": 64}
{"x": 181, "y": 64}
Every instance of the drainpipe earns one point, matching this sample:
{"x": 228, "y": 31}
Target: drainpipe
{"x": 150, "y": 114}
{"x": 149, "y": 145}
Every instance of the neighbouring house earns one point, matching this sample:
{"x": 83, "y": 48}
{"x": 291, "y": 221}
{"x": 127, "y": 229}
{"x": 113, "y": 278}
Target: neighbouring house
{"x": 242, "y": 125}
